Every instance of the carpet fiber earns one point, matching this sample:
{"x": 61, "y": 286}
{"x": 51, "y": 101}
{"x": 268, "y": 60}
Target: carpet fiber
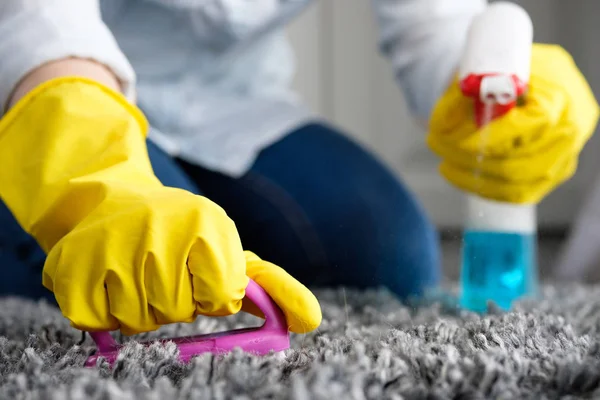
{"x": 368, "y": 347}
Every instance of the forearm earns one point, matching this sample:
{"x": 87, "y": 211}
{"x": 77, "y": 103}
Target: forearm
{"x": 45, "y": 39}
{"x": 65, "y": 67}
{"x": 423, "y": 39}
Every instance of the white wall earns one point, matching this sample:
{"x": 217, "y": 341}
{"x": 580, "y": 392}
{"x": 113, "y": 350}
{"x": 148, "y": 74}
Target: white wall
{"x": 344, "y": 78}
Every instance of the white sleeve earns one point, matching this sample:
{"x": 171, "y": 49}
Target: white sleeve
{"x": 424, "y": 40}
{"x": 35, "y": 32}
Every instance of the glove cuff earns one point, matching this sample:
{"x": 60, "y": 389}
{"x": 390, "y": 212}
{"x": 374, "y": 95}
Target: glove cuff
{"x": 61, "y": 145}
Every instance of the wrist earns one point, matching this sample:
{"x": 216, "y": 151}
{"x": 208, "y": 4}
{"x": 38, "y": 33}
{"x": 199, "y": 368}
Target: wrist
{"x": 61, "y": 68}
{"x": 90, "y": 141}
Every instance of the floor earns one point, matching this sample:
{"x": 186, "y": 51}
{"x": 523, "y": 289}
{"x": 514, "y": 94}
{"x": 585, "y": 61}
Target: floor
{"x": 369, "y": 346}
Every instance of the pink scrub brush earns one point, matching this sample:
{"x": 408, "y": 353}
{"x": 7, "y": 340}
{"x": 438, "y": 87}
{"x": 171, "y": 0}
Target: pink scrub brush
{"x": 273, "y": 335}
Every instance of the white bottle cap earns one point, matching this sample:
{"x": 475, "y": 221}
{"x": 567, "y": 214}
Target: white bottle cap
{"x": 499, "y": 42}
{"x": 493, "y": 216}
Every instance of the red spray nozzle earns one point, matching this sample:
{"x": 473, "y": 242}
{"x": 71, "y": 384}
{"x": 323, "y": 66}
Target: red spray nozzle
{"x": 494, "y": 94}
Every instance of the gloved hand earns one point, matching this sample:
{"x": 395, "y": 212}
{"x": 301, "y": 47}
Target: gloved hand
{"x": 124, "y": 251}
{"x": 524, "y": 155}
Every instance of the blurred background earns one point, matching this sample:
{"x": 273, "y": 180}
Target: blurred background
{"x": 342, "y": 76}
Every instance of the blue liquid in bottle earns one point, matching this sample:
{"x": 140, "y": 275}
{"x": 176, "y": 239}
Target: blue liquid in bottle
{"x": 497, "y": 266}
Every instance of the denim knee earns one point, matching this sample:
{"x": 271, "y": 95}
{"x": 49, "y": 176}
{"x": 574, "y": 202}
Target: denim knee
{"x": 395, "y": 247}
{"x": 414, "y": 259}
{"x": 21, "y": 260}
{"x": 373, "y": 229}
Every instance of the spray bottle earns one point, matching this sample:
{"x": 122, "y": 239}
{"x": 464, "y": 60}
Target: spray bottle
{"x": 499, "y": 255}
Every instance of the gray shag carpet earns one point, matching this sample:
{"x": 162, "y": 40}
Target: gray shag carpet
{"x": 368, "y": 347}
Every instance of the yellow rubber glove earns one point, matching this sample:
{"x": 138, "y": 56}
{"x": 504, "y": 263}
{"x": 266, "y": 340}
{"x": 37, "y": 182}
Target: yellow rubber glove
{"x": 124, "y": 251}
{"x": 524, "y": 155}
{"x": 279, "y": 284}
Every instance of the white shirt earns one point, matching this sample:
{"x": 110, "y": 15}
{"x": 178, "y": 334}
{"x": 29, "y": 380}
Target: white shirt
{"x": 214, "y": 76}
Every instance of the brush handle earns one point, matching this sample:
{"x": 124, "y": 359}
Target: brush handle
{"x": 274, "y": 318}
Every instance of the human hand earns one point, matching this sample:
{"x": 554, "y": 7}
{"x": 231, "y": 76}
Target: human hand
{"x": 124, "y": 251}
{"x": 524, "y": 155}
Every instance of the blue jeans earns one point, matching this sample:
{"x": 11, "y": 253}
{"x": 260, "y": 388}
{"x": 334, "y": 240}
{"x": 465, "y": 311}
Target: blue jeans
{"x": 316, "y": 203}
